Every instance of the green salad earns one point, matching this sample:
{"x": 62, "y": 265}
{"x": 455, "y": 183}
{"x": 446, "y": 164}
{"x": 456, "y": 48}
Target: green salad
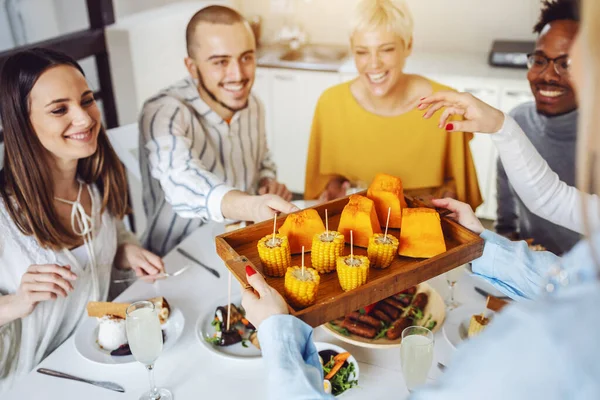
{"x": 338, "y": 371}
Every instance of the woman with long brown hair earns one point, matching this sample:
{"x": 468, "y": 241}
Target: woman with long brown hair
{"x": 542, "y": 349}
{"x": 63, "y": 195}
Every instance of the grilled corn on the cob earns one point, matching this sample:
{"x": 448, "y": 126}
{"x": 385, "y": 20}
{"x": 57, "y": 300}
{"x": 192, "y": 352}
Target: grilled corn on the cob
{"x": 301, "y": 290}
{"x": 275, "y": 254}
{"x": 352, "y": 271}
{"x": 477, "y": 324}
{"x": 326, "y": 248}
{"x": 382, "y": 250}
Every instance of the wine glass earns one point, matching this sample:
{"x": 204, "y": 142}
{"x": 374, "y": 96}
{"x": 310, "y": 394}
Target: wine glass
{"x": 146, "y": 342}
{"x": 452, "y": 277}
{"x": 416, "y": 355}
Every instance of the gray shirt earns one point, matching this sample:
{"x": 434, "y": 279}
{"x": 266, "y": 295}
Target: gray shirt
{"x": 555, "y": 140}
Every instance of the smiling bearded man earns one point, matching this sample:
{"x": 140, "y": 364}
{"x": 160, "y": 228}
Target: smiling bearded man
{"x": 204, "y": 137}
{"x": 550, "y": 124}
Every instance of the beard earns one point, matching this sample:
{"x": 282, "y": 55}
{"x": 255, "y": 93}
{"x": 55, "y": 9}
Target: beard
{"x": 214, "y": 97}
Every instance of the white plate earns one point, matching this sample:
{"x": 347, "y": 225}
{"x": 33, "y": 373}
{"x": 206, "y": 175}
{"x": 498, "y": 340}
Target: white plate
{"x": 435, "y": 307}
{"x": 456, "y": 326}
{"x": 205, "y": 329}
{"x": 328, "y": 346}
{"x": 86, "y": 335}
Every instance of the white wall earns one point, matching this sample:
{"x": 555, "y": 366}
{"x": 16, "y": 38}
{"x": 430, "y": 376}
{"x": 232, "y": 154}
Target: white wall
{"x": 6, "y": 40}
{"x": 124, "y": 8}
{"x": 457, "y": 25}
{"x": 71, "y": 15}
{"x": 147, "y": 50}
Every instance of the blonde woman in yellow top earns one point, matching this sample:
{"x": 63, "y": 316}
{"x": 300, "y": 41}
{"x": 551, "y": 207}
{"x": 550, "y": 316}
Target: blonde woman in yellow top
{"x": 372, "y": 124}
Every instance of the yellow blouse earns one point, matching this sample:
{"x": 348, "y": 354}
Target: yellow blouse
{"x": 350, "y": 141}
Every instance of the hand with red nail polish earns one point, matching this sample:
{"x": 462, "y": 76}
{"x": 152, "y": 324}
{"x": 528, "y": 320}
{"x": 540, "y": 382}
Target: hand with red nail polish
{"x": 250, "y": 271}
{"x": 262, "y": 302}
{"x": 473, "y": 114}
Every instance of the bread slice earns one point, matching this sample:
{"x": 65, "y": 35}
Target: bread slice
{"x": 100, "y": 309}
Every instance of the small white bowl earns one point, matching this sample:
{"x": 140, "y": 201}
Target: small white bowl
{"x": 328, "y": 346}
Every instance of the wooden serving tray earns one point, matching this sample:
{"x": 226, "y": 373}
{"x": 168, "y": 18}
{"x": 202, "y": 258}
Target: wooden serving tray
{"x": 238, "y": 249}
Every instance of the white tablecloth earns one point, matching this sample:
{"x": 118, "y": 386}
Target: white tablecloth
{"x": 190, "y": 371}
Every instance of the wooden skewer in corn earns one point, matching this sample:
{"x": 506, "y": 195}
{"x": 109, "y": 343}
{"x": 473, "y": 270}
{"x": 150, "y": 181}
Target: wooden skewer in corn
{"x": 387, "y": 223}
{"x": 229, "y": 302}
{"x": 326, "y": 225}
{"x": 302, "y": 261}
{"x": 351, "y": 249}
{"x": 274, "y": 227}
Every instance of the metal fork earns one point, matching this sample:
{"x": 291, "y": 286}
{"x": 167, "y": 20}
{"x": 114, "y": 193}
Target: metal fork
{"x": 102, "y": 384}
{"x": 163, "y": 275}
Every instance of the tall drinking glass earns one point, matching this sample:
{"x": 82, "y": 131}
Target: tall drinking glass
{"x": 416, "y": 355}
{"x": 452, "y": 277}
{"x": 145, "y": 341}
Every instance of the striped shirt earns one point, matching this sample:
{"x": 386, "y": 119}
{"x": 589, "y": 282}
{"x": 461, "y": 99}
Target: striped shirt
{"x": 190, "y": 158}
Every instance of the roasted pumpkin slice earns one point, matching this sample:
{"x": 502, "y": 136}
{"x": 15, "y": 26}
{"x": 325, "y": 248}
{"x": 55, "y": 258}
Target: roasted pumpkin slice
{"x": 359, "y": 216}
{"x": 300, "y": 228}
{"x": 421, "y": 234}
{"x": 387, "y": 193}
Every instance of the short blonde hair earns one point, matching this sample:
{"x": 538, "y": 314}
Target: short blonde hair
{"x": 392, "y": 15}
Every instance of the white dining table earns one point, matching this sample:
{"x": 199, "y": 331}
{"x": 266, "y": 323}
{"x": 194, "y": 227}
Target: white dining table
{"x": 191, "y": 371}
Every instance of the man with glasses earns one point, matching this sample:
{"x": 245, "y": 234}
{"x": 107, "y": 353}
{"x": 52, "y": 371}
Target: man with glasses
{"x": 550, "y": 124}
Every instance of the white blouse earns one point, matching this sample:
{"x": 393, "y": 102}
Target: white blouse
{"x": 25, "y": 342}
{"x": 540, "y": 188}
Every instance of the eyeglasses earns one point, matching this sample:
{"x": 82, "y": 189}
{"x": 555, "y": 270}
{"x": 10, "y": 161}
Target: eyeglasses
{"x": 538, "y": 63}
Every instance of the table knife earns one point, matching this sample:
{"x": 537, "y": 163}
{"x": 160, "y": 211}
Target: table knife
{"x": 102, "y": 384}
{"x": 192, "y": 258}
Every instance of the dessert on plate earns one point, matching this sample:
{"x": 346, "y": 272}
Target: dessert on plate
{"x": 111, "y": 332}
{"x": 112, "y": 335}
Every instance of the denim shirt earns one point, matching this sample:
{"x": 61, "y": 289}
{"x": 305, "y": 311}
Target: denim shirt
{"x": 545, "y": 348}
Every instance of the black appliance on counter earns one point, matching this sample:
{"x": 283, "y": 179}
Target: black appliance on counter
{"x": 509, "y": 53}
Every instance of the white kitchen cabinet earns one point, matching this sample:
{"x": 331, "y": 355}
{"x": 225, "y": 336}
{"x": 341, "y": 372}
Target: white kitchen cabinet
{"x": 294, "y": 96}
{"x": 483, "y": 150}
{"x": 511, "y": 96}
{"x": 262, "y": 88}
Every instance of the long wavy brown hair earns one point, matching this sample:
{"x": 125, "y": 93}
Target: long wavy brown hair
{"x": 26, "y": 183}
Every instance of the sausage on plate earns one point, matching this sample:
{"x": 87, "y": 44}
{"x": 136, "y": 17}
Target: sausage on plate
{"x": 359, "y": 329}
{"x": 391, "y": 311}
{"x": 397, "y": 327}
{"x": 377, "y": 313}
{"x": 365, "y": 319}
{"x": 394, "y": 303}
{"x": 420, "y": 301}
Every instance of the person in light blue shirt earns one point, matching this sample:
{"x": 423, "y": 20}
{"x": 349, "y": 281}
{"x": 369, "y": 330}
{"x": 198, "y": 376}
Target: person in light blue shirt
{"x": 545, "y": 348}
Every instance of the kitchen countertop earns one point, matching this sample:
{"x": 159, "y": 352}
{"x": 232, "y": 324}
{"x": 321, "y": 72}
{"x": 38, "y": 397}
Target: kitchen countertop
{"x": 467, "y": 65}
{"x": 269, "y": 56}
